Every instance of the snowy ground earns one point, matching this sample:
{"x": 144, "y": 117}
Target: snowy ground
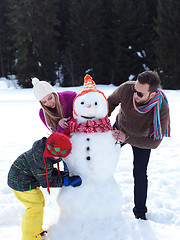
{"x": 21, "y": 126}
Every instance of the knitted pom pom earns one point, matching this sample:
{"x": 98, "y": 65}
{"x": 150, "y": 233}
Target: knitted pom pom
{"x": 35, "y": 81}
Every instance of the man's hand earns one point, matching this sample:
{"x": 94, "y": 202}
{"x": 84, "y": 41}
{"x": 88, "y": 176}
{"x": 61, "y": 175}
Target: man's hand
{"x": 119, "y": 135}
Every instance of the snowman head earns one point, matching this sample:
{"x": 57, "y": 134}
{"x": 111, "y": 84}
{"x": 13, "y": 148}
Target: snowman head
{"x": 91, "y": 103}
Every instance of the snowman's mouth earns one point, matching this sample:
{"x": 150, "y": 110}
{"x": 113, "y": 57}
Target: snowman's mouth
{"x": 87, "y": 117}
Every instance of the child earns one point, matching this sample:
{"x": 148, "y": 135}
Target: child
{"x": 33, "y": 169}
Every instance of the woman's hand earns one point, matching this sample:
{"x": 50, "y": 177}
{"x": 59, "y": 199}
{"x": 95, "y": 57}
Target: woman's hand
{"x": 63, "y": 122}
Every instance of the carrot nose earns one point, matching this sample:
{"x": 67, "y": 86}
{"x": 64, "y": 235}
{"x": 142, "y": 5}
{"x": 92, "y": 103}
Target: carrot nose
{"x": 89, "y": 105}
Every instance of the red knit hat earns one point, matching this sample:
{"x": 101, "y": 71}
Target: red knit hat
{"x": 57, "y": 145}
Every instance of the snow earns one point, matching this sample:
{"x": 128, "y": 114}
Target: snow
{"x": 21, "y": 126}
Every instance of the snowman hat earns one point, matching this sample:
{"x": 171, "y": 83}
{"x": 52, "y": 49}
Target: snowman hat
{"x": 42, "y": 88}
{"x": 89, "y": 86}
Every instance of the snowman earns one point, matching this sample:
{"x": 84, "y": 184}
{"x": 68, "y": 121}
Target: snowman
{"x": 94, "y": 157}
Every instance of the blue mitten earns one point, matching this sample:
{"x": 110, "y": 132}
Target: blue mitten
{"x": 73, "y": 181}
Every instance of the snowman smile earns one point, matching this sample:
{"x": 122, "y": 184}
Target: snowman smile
{"x": 87, "y": 117}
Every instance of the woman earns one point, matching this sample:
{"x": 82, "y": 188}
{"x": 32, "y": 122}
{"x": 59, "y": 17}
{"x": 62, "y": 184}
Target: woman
{"x": 57, "y": 107}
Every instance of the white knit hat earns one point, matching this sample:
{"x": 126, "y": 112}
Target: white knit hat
{"x": 41, "y": 88}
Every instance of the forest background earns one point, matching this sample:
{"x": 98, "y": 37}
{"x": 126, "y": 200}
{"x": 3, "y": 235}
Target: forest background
{"x": 59, "y": 41}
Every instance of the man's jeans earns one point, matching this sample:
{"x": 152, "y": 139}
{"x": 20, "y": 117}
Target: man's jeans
{"x": 141, "y": 159}
{"x": 140, "y": 163}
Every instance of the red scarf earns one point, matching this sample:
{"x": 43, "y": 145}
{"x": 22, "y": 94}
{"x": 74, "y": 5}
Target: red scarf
{"x": 90, "y": 126}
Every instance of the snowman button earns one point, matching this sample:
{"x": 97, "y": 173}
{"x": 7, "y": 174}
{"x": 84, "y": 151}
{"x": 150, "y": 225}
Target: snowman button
{"x": 88, "y": 158}
{"x": 88, "y": 148}
{"x": 87, "y": 139}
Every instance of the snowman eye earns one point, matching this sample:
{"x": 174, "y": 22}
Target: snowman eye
{"x": 82, "y": 102}
{"x": 95, "y": 103}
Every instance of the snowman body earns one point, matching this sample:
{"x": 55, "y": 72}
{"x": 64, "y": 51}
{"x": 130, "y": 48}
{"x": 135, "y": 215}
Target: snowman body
{"x": 94, "y": 158}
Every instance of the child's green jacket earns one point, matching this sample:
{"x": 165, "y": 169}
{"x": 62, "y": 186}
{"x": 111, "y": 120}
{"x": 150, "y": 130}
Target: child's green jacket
{"x": 28, "y": 170}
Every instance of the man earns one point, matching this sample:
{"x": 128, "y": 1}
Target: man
{"x": 142, "y": 121}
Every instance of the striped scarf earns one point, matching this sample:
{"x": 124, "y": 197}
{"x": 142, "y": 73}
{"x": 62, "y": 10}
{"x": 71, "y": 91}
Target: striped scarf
{"x": 90, "y": 126}
{"x": 156, "y": 104}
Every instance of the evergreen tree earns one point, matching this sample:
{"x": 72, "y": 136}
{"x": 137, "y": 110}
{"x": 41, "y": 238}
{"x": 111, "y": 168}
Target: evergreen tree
{"x": 130, "y": 20}
{"x": 167, "y": 43}
{"x": 150, "y": 60}
{"x": 104, "y": 71}
{"x": 64, "y": 54}
{"x": 152, "y": 9}
{"x": 6, "y": 58}
{"x": 84, "y": 40}
{"x": 36, "y": 53}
